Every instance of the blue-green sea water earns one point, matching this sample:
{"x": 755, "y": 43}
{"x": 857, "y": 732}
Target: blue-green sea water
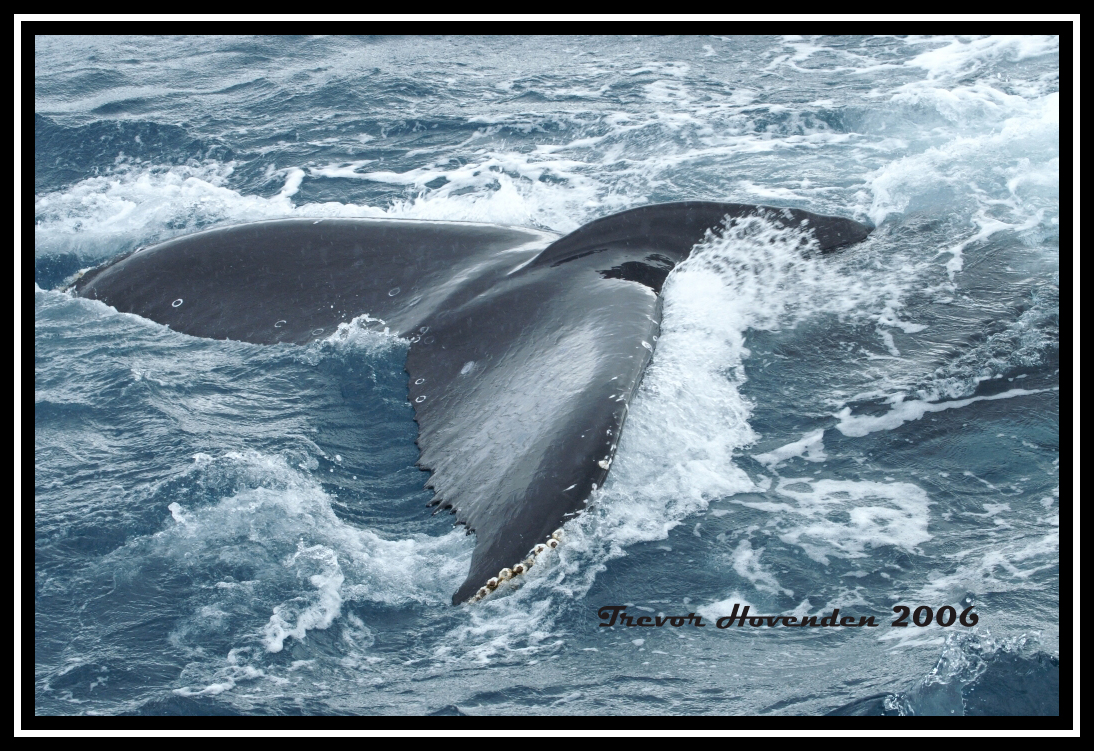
{"x": 226, "y": 528}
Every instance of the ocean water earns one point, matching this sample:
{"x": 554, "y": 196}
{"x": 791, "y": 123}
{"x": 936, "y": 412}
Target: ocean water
{"x": 226, "y": 528}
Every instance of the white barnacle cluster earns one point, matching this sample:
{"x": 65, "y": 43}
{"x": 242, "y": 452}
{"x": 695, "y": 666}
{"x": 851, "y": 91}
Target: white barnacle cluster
{"x": 510, "y": 573}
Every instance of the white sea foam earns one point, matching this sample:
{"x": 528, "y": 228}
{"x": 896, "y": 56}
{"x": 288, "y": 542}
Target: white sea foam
{"x": 1023, "y": 343}
{"x": 298, "y": 616}
{"x": 96, "y": 215}
{"x": 93, "y": 216}
{"x": 495, "y": 186}
{"x": 905, "y": 411}
{"x": 809, "y": 447}
{"x": 364, "y": 334}
{"x": 1025, "y": 139}
{"x": 962, "y": 57}
{"x": 281, "y": 522}
{"x": 996, "y": 567}
{"x": 724, "y": 608}
{"x": 747, "y": 564}
{"x": 844, "y": 518}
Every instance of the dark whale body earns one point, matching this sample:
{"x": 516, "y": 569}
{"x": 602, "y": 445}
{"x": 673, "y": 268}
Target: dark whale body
{"x": 525, "y": 349}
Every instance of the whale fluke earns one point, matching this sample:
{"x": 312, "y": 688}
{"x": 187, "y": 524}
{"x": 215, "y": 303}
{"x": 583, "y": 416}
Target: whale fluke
{"x": 525, "y": 348}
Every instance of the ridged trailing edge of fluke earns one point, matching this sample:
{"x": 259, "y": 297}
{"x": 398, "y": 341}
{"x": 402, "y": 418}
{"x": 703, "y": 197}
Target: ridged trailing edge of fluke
{"x": 525, "y": 348}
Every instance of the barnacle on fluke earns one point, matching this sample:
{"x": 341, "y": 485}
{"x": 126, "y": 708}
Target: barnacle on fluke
{"x": 508, "y": 574}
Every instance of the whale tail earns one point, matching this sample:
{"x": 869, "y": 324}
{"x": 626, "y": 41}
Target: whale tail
{"x": 525, "y": 348}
